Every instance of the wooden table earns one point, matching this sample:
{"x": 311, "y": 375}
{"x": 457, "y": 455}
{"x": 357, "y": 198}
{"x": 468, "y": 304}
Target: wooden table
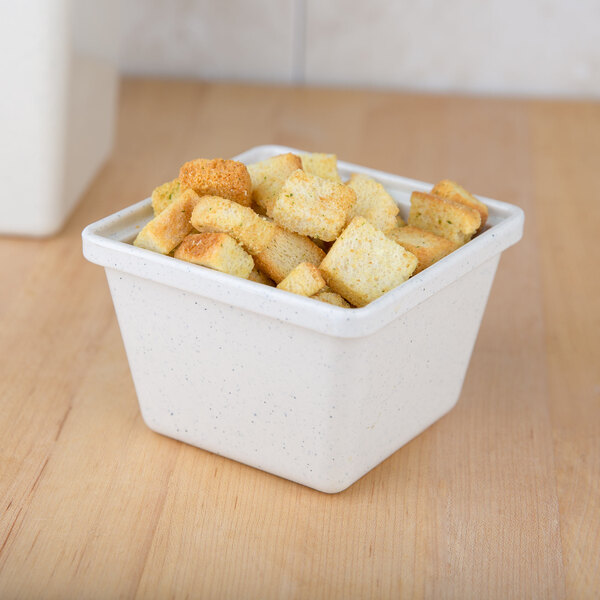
{"x": 499, "y": 499}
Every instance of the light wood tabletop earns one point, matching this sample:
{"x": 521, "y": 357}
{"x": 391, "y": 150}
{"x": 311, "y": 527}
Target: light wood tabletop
{"x": 498, "y": 499}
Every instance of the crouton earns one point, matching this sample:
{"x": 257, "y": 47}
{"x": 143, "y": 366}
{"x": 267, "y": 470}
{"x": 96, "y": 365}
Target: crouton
{"x": 372, "y": 202}
{"x": 167, "y": 230}
{"x": 426, "y": 246}
{"x": 322, "y": 165}
{"x": 453, "y": 191}
{"x": 164, "y": 195}
{"x": 331, "y": 298}
{"x": 225, "y": 178}
{"x": 313, "y": 206}
{"x": 447, "y": 218}
{"x": 258, "y": 277}
{"x": 219, "y": 214}
{"x": 285, "y": 252}
{"x": 305, "y": 279}
{"x": 268, "y": 177}
{"x": 217, "y": 251}
{"x": 364, "y": 264}
{"x": 400, "y": 221}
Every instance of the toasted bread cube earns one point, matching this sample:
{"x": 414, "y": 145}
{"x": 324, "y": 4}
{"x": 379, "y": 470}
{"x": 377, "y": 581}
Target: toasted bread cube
{"x": 268, "y": 177}
{"x": 400, "y": 222}
{"x": 164, "y": 195}
{"x": 364, "y": 264}
{"x": 447, "y": 218}
{"x": 322, "y": 165}
{"x": 217, "y": 251}
{"x": 167, "y": 230}
{"x": 217, "y": 177}
{"x": 305, "y": 279}
{"x": 454, "y": 191}
{"x": 285, "y": 252}
{"x": 258, "y": 277}
{"x": 426, "y": 246}
{"x": 331, "y": 298}
{"x": 373, "y": 202}
{"x": 219, "y": 214}
{"x": 313, "y": 206}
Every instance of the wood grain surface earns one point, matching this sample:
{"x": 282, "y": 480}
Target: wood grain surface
{"x": 499, "y": 499}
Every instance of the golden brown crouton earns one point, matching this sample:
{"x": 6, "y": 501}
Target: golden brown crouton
{"x": 217, "y": 177}
{"x": 322, "y": 165}
{"x": 268, "y": 177}
{"x": 285, "y": 252}
{"x": 331, "y": 298}
{"x": 168, "y": 229}
{"x": 217, "y": 251}
{"x": 258, "y": 277}
{"x": 447, "y": 218}
{"x": 313, "y": 206}
{"x": 219, "y": 214}
{"x": 426, "y": 246}
{"x": 364, "y": 264}
{"x": 164, "y": 195}
{"x": 453, "y": 191}
{"x": 305, "y": 279}
{"x": 372, "y": 202}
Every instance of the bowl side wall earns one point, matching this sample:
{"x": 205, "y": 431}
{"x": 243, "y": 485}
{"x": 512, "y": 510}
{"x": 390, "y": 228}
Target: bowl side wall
{"x": 314, "y": 408}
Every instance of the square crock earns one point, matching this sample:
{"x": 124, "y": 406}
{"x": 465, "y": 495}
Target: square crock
{"x": 308, "y": 391}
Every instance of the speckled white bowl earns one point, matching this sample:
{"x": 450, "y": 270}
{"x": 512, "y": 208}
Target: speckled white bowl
{"x": 308, "y": 391}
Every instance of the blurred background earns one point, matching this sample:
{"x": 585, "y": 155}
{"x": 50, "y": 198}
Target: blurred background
{"x": 65, "y": 58}
{"x": 506, "y": 47}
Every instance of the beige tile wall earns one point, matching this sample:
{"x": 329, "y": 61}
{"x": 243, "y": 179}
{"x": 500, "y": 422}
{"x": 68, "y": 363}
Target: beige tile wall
{"x": 506, "y": 46}
{"x": 539, "y": 47}
{"x": 212, "y": 39}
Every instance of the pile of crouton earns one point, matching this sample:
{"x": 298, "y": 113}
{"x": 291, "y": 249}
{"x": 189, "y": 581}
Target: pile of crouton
{"x": 289, "y": 221}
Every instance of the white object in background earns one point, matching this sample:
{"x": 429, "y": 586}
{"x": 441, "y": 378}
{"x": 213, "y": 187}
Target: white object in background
{"x": 58, "y": 62}
{"x": 308, "y": 391}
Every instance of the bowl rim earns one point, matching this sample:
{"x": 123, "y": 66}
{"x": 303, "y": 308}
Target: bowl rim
{"x": 107, "y": 242}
